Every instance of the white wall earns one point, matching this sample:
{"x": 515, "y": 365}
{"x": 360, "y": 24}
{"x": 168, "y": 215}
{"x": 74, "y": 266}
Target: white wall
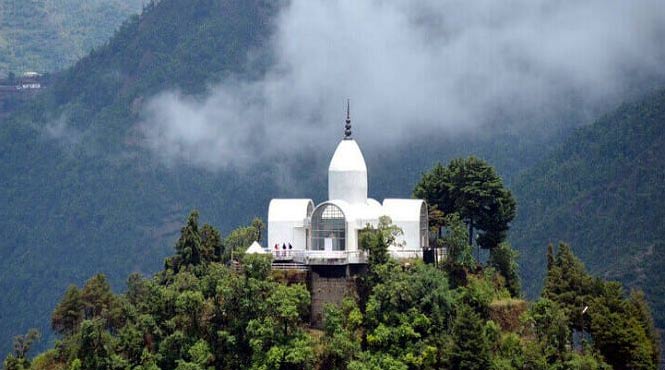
{"x": 410, "y": 239}
{"x": 286, "y": 232}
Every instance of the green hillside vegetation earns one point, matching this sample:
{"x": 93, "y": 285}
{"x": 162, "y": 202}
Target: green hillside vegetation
{"x": 91, "y": 195}
{"x": 48, "y": 35}
{"x": 198, "y": 313}
{"x": 602, "y": 190}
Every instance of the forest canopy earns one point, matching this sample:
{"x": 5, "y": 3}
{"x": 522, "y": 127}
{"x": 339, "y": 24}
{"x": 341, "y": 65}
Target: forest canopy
{"x": 213, "y": 309}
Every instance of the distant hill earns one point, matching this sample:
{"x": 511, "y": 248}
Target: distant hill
{"x": 78, "y": 195}
{"x": 48, "y": 35}
{"x": 602, "y": 191}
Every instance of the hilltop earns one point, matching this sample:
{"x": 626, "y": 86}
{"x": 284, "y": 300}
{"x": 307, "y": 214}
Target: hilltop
{"x": 204, "y": 311}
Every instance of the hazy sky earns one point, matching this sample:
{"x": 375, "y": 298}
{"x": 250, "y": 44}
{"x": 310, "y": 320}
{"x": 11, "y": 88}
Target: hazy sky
{"x": 410, "y": 68}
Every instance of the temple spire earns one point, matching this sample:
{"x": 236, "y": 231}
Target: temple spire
{"x": 347, "y": 127}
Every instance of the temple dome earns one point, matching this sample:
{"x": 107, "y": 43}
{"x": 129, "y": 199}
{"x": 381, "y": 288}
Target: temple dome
{"x": 347, "y": 174}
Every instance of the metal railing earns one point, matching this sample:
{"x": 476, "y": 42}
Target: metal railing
{"x": 292, "y": 266}
{"x": 320, "y": 257}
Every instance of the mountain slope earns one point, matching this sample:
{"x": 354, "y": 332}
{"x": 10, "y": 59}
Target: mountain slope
{"x": 47, "y": 35}
{"x": 602, "y": 191}
{"x": 78, "y": 195}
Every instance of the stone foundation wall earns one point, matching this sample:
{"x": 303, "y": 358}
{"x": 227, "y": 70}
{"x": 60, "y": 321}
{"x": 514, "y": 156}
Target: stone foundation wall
{"x": 329, "y": 285}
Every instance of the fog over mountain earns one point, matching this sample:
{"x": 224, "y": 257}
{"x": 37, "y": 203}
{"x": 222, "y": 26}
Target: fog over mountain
{"x": 411, "y": 68}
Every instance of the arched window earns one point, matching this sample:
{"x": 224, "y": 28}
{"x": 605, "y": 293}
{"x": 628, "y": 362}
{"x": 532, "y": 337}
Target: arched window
{"x": 424, "y": 226}
{"x": 328, "y": 228}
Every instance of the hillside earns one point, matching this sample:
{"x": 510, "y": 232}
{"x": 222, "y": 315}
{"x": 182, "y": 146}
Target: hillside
{"x": 78, "y": 185}
{"x": 48, "y": 35}
{"x": 200, "y": 313}
{"x": 77, "y": 194}
{"x": 602, "y": 191}
{"x": 80, "y": 194}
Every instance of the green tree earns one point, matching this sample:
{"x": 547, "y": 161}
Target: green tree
{"x": 277, "y": 339}
{"x": 638, "y": 307}
{"x": 550, "y": 325}
{"x": 375, "y": 241}
{"x": 470, "y": 349}
{"x": 408, "y": 314}
{"x": 621, "y": 328}
{"x": 212, "y": 247}
{"x": 550, "y": 256}
{"x": 200, "y": 357}
{"x": 195, "y": 246}
{"x": 343, "y": 336}
{"x": 23, "y": 343}
{"x": 259, "y": 226}
{"x": 96, "y": 296}
{"x": 568, "y": 284}
{"x": 18, "y": 360}
{"x": 455, "y": 241}
{"x": 459, "y": 260}
{"x": 618, "y": 335}
{"x": 377, "y": 361}
{"x": 188, "y": 246}
{"x": 68, "y": 313}
{"x": 95, "y": 347}
{"x": 471, "y": 188}
{"x": 241, "y": 238}
{"x": 504, "y": 260}
{"x": 509, "y": 353}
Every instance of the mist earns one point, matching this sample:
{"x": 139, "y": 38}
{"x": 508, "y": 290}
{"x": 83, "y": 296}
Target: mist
{"x": 413, "y": 68}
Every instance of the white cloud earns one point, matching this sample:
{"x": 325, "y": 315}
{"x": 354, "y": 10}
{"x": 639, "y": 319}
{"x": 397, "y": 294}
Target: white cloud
{"x": 413, "y": 67}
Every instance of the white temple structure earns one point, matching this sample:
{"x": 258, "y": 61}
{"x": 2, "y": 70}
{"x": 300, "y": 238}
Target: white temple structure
{"x": 301, "y": 232}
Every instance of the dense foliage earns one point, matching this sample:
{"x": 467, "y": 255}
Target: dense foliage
{"x": 621, "y": 328}
{"x": 602, "y": 190}
{"x": 471, "y": 188}
{"x": 77, "y": 186}
{"x": 204, "y": 311}
{"x": 48, "y": 35}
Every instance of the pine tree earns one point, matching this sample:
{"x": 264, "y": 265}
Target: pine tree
{"x": 68, "y": 313}
{"x": 96, "y": 296}
{"x": 471, "y": 188}
{"x": 639, "y": 309}
{"x": 94, "y": 352}
{"x": 618, "y": 333}
{"x": 211, "y": 244}
{"x": 551, "y": 328}
{"x": 621, "y": 328}
{"x": 568, "y": 284}
{"x": 470, "y": 349}
{"x": 504, "y": 260}
{"x": 188, "y": 247}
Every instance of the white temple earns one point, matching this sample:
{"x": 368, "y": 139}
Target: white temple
{"x": 327, "y": 233}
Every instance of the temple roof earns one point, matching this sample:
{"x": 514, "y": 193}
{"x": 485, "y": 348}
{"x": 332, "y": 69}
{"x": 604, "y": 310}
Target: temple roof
{"x": 348, "y": 157}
